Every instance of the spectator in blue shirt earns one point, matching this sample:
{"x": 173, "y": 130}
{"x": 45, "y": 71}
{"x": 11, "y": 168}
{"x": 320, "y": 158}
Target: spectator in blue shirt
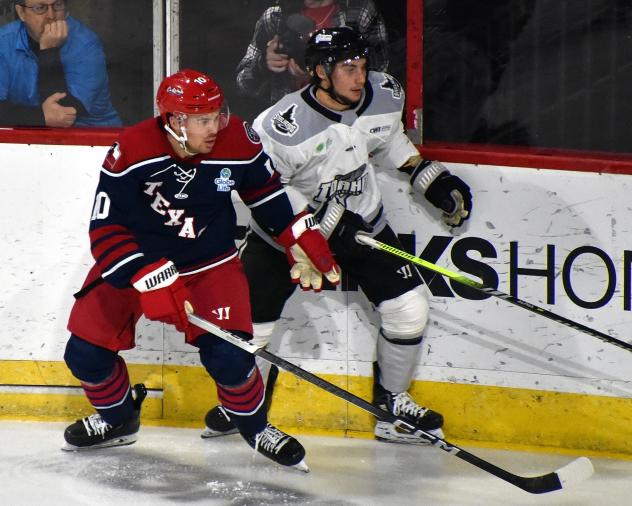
{"x": 52, "y": 70}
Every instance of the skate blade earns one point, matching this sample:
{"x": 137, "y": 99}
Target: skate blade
{"x": 301, "y": 466}
{"x": 209, "y": 433}
{"x": 119, "y": 441}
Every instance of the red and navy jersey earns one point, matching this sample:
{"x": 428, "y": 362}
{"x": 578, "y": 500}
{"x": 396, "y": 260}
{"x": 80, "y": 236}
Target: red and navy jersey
{"x": 151, "y": 204}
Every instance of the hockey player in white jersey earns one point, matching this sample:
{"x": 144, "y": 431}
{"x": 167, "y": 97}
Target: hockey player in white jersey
{"x": 327, "y": 140}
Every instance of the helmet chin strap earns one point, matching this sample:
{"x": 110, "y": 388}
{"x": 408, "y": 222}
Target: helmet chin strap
{"x": 340, "y": 99}
{"x": 335, "y": 96}
{"x": 181, "y": 139}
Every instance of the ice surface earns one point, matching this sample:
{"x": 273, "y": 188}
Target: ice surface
{"x": 175, "y": 466}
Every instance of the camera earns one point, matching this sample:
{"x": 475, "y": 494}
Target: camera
{"x": 294, "y": 35}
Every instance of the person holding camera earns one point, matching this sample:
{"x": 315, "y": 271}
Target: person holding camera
{"x": 274, "y": 64}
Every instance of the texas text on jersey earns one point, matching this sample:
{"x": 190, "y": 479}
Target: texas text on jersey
{"x": 151, "y": 204}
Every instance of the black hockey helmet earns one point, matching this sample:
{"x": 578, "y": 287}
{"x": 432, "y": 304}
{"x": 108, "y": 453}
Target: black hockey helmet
{"x": 328, "y": 46}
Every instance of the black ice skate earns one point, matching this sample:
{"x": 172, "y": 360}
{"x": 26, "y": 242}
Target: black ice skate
{"x": 218, "y": 423}
{"x": 280, "y": 447}
{"x": 93, "y": 432}
{"x": 403, "y": 405}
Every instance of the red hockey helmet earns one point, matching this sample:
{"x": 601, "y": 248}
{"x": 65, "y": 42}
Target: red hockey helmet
{"x": 188, "y": 92}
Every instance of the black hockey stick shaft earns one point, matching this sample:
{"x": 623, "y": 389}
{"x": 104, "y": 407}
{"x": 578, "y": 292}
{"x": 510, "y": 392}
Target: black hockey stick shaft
{"x": 459, "y": 278}
{"x": 577, "y": 470}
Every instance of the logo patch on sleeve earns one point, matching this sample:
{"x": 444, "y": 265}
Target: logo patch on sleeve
{"x": 224, "y": 182}
{"x": 284, "y": 122}
{"x": 252, "y": 135}
{"x": 112, "y": 157}
{"x": 391, "y": 84}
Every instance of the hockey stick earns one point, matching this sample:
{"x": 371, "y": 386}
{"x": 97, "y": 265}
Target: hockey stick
{"x": 369, "y": 241}
{"x": 574, "y": 472}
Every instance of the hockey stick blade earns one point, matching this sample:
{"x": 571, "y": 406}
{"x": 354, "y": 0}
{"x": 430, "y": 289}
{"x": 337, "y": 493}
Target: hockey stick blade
{"x": 574, "y": 472}
{"x": 464, "y": 280}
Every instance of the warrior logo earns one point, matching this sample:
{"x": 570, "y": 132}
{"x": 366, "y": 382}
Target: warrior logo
{"x": 283, "y": 122}
{"x": 222, "y": 313}
{"x": 391, "y": 84}
{"x": 183, "y": 176}
{"x": 224, "y": 182}
{"x": 405, "y": 271}
{"x": 343, "y": 186}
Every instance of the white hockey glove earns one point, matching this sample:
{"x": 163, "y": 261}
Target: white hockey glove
{"x": 443, "y": 190}
{"x": 308, "y": 253}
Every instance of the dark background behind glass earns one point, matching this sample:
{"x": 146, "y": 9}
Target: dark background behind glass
{"x": 214, "y": 36}
{"x": 545, "y": 73}
{"x": 125, "y": 29}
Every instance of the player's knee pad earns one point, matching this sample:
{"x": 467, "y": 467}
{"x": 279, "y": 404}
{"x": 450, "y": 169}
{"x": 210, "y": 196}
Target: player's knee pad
{"x": 405, "y": 317}
{"x": 227, "y": 364}
{"x": 87, "y": 362}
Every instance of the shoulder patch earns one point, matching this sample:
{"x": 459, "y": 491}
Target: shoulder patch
{"x": 391, "y": 84}
{"x": 284, "y": 123}
{"x": 252, "y": 135}
{"x": 114, "y": 153}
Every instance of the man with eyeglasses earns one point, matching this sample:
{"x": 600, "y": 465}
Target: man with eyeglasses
{"x": 52, "y": 70}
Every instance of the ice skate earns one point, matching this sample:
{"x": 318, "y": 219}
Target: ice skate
{"x": 93, "y": 432}
{"x": 403, "y": 405}
{"x": 280, "y": 447}
{"x": 218, "y": 423}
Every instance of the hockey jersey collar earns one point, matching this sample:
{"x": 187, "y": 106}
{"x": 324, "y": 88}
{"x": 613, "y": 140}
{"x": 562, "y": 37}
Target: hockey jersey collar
{"x": 308, "y": 96}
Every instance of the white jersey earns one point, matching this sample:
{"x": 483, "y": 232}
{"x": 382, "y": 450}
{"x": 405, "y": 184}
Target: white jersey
{"x": 325, "y": 155}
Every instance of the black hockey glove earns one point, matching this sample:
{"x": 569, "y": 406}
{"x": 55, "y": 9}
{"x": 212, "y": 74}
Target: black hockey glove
{"x": 444, "y": 191}
{"x": 339, "y": 226}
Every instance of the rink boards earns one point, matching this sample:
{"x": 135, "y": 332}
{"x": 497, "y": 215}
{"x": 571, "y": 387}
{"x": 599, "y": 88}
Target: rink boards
{"x": 558, "y": 239}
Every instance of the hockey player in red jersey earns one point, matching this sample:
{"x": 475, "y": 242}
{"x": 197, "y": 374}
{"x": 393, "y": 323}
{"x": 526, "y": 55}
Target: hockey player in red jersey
{"x": 162, "y": 233}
